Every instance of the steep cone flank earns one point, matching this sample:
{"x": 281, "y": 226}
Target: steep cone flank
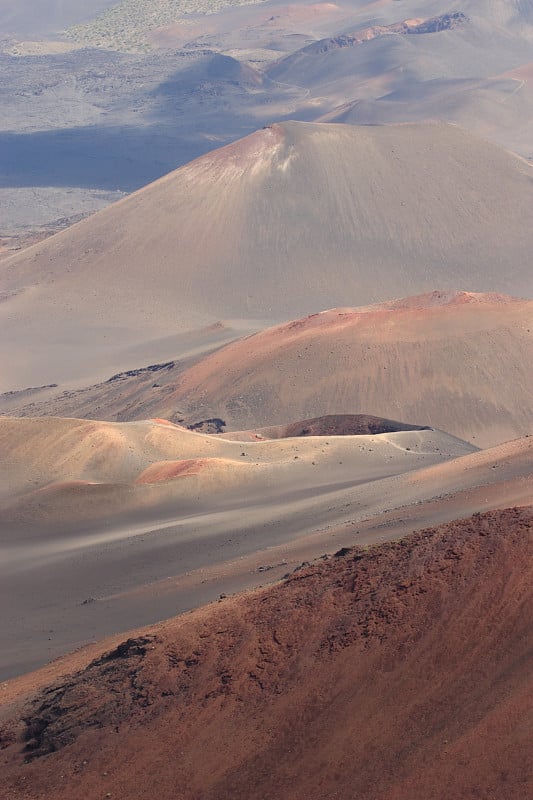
{"x": 459, "y": 362}
{"x": 402, "y": 672}
{"x": 289, "y": 220}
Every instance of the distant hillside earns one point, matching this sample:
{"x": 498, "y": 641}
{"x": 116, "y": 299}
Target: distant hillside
{"x": 459, "y": 362}
{"x": 290, "y": 220}
{"x": 127, "y": 24}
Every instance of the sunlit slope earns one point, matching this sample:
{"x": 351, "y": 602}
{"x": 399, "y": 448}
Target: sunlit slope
{"x": 66, "y": 470}
{"x": 459, "y": 362}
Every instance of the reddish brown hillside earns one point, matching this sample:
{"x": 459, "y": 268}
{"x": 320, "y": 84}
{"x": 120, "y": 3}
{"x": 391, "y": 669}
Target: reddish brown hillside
{"x": 400, "y": 672}
{"x": 456, "y": 361}
{"x": 338, "y": 425}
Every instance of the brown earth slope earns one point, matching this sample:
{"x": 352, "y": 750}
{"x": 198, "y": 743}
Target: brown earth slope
{"x": 289, "y": 220}
{"x": 112, "y": 527}
{"x": 401, "y": 672}
{"x": 458, "y": 361}
{"x": 328, "y": 425}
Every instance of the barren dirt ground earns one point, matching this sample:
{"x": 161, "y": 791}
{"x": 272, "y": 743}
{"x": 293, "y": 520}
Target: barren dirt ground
{"x": 399, "y": 671}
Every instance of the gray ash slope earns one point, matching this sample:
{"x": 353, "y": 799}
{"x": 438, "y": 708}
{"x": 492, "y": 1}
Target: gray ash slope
{"x": 293, "y": 219}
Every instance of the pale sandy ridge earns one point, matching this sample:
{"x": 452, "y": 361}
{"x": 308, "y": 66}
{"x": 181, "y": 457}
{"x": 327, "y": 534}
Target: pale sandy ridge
{"x": 94, "y": 553}
{"x": 58, "y": 472}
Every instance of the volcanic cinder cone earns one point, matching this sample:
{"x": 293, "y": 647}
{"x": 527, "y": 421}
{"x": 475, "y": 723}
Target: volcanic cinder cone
{"x": 460, "y": 362}
{"x": 292, "y": 219}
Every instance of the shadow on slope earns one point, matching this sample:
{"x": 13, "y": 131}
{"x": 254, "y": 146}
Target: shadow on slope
{"x": 103, "y": 157}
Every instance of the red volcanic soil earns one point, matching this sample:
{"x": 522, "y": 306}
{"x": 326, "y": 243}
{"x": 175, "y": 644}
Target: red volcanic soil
{"x": 400, "y": 672}
{"x": 166, "y": 470}
{"x": 456, "y": 361}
